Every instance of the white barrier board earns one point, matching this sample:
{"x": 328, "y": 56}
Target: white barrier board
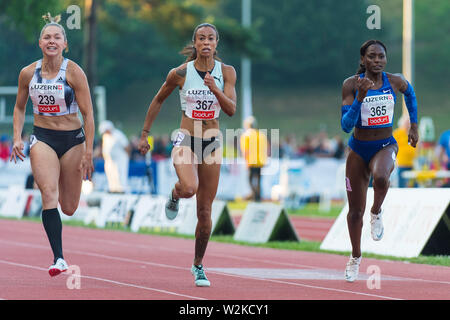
{"x": 13, "y": 201}
{"x": 114, "y": 208}
{"x": 221, "y": 219}
{"x": 410, "y": 217}
{"x": 150, "y": 213}
{"x": 264, "y": 222}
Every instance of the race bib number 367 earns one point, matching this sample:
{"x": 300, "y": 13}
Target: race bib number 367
{"x": 201, "y": 104}
{"x": 377, "y": 110}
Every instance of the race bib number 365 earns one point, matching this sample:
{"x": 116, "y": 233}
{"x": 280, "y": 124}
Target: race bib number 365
{"x": 201, "y": 104}
{"x": 377, "y": 110}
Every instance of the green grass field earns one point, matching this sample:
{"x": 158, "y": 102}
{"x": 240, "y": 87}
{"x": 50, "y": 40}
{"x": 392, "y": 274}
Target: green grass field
{"x": 308, "y": 210}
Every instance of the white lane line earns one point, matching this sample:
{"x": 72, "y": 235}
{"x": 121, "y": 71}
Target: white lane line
{"x": 97, "y": 255}
{"x": 334, "y": 289}
{"x": 241, "y": 258}
{"x": 106, "y": 280}
{"x": 307, "y": 286}
{"x": 214, "y": 272}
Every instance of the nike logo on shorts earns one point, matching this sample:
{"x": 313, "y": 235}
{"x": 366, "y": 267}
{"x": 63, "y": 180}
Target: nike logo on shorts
{"x": 385, "y": 144}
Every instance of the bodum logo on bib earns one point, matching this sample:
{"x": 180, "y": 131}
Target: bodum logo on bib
{"x": 203, "y": 114}
{"x": 378, "y": 120}
{"x": 51, "y": 109}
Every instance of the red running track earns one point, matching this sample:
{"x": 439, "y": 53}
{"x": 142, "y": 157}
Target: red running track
{"x": 124, "y": 265}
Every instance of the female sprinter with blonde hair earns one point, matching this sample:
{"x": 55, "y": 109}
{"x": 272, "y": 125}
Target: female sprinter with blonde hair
{"x": 60, "y": 150}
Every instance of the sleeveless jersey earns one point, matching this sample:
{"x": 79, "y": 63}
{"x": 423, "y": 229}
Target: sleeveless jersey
{"x": 197, "y": 101}
{"x": 52, "y": 97}
{"x": 377, "y": 109}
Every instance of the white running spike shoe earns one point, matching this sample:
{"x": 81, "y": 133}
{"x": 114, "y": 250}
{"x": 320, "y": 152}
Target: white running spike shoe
{"x": 172, "y": 207}
{"x": 376, "y": 225}
{"x": 58, "y": 267}
{"x": 352, "y": 269}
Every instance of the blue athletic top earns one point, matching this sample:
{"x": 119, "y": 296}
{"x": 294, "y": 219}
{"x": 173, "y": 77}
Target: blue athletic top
{"x": 444, "y": 141}
{"x": 377, "y": 109}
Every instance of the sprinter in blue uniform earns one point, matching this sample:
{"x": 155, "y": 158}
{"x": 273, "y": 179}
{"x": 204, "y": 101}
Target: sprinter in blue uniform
{"x": 368, "y": 100}
{"x": 206, "y": 87}
{"x": 60, "y": 150}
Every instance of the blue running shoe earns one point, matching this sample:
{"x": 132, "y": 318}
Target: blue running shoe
{"x": 200, "y": 277}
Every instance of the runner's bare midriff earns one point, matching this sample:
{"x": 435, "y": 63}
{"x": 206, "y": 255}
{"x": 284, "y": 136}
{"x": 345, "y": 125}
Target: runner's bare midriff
{"x": 200, "y": 128}
{"x": 64, "y": 122}
{"x": 372, "y": 134}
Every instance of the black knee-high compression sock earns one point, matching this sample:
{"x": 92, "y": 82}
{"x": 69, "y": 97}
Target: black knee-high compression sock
{"x": 53, "y": 227}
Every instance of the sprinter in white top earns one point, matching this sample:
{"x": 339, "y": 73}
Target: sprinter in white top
{"x": 197, "y": 101}
{"x": 206, "y": 86}
{"x": 60, "y": 151}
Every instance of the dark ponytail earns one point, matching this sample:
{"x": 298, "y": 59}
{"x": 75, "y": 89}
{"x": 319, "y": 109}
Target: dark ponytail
{"x": 363, "y": 49}
{"x": 190, "y": 52}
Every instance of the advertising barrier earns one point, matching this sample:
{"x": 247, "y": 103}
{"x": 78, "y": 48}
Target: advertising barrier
{"x": 150, "y": 213}
{"x": 263, "y": 222}
{"x": 416, "y": 221}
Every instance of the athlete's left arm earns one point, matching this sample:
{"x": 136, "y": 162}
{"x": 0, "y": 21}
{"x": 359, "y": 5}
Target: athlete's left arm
{"x": 227, "y": 98}
{"x": 78, "y": 81}
{"x": 405, "y": 87}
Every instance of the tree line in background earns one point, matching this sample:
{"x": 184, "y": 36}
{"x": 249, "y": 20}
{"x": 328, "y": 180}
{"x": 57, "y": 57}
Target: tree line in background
{"x": 290, "y": 42}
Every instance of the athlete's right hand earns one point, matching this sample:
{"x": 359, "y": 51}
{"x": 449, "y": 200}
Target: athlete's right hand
{"x": 363, "y": 85}
{"x": 143, "y": 145}
{"x": 16, "y": 151}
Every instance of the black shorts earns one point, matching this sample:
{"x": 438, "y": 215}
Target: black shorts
{"x": 60, "y": 141}
{"x": 200, "y": 147}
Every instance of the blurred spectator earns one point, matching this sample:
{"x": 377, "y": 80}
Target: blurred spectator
{"x": 426, "y": 156}
{"x": 288, "y": 147}
{"x": 135, "y": 154}
{"x": 322, "y": 145}
{"x": 97, "y": 153}
{"x": 26, "y": 143}
{"x": 254, "y": 148}
{"x": 338, "y": 149}
{"x": 306, "y": 149}
{"x": 168, "y": 145}
{"x": 115, "y": 151}
{"x": 230, "y": 148}
{"x": 444, "y": 150}
{"x": 5, "y": 147}
{"x": 406, "y": 154}
{"x": 162, "y": 148}
{"x": 30, "y": 183}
